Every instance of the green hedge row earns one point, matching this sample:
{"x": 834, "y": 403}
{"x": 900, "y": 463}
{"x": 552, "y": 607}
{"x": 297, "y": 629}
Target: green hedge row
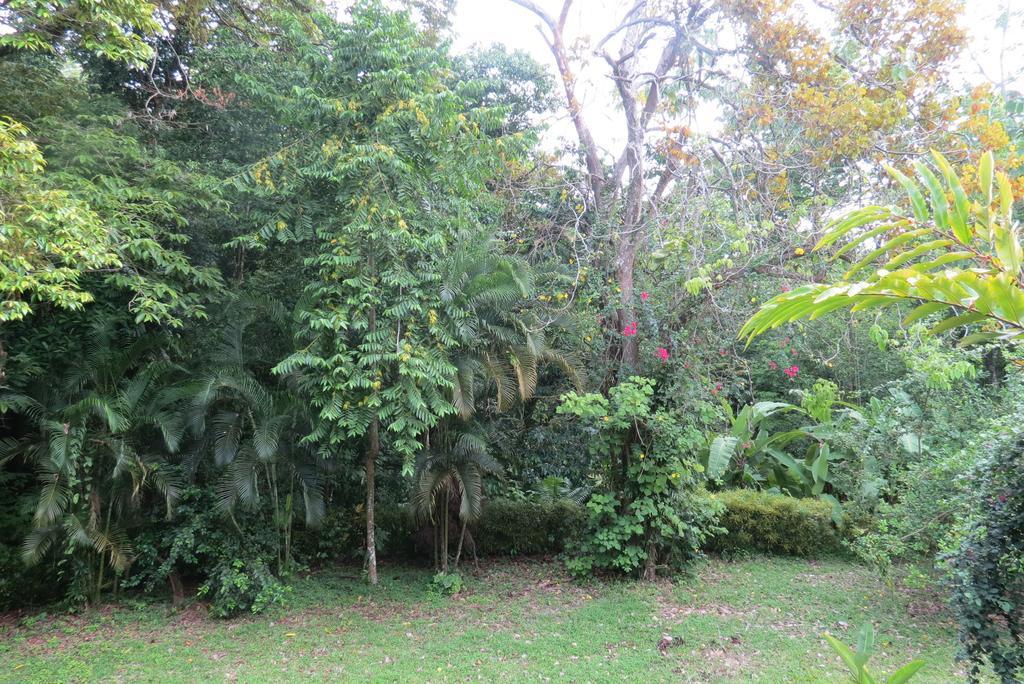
{"x": 774, "y": 524}
{"x": 525, "y": 528}
{"x": 754, "y": 522}
{"x": 507, "y": 527}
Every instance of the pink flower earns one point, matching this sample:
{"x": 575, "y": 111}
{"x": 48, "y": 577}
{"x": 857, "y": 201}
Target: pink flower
{"x": 722, "y": 352}
{"x": 791, "y": 372}
{"x": 792, "y": 351}
{"x": 785, "y": 288}
{"x": 773, "y": 365}
{"x": 630, "y": 329}
{"x": 644, "y": 296}
{"x": 663, "y": 353}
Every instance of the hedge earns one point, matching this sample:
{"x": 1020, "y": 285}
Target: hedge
{"x": 507, "y": 527}
{"x": 774, "y": 524}
{"x": 511, "y": 527}
{"x": 754, "y": 522}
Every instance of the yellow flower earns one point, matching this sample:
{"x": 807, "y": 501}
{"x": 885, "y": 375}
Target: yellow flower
{"x": 799, "y": 251}
{"x": 606, "y": 419}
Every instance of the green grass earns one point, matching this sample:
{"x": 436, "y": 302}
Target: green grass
{"x": 752, "y": 620}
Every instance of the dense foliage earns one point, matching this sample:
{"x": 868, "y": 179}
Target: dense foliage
{"x": 285, "y": 285}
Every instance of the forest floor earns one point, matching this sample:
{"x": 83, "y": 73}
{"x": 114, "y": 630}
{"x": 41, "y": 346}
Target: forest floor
{"x": 750, "y": 620}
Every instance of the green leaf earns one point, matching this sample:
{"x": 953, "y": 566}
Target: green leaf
{"x": 913, "y": 192}
{"x": 844, "y": 652}
{"x": 720, "y": 454}
{"x": 819, "y": 469}
{"x": 978, "y": 338}
{"x": 855, "y": 219}
{"x": 906, "y": 672}
{"x": 865, "y": 643}
{"x": 940, "y": 206}
{"x": 956, "y": 321}
{"x": 923, "y": 311}
{"x": 985, "y": 176}
{"x": 961, "y": 205}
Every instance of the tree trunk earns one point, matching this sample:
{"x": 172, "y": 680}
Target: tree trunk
{"x": 458, "y": 551}
{"x": 444, "y": 538}
{"x": 177, "y": 588}
{"x": 650, "y": 566}
{"x": 624, "y": 275}
{"x": 371, "y": 462}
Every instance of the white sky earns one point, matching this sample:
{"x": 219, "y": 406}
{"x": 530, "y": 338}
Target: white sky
{"x": 501, "y": 21}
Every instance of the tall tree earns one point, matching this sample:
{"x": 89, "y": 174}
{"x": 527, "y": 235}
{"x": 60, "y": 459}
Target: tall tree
{"x": 668, "y": 60}
{"x": 383, "y": 177}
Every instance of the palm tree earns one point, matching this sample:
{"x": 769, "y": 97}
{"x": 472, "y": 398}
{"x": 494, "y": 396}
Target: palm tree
{"x": 99, "y": 440}
{"x": 502, "y": 348}
{"x": 254, "y": 432}
{"x": 449, "y": 481}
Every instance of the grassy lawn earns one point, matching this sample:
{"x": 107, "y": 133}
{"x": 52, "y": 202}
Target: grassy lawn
{"x": 751, "y": 620}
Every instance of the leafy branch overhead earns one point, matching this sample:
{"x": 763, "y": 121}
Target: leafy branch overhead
{"x": 953, "y": 252}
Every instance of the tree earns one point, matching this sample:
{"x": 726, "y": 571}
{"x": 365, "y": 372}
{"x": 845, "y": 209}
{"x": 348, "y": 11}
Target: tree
{"x": 92, "y": 208}
{"x": 387, "y": 185}
{"x": 254, "y": 432}
{"x": 116, "y": 30}
{"x": 783, "y": 81}
{"x": 502, "y": 344}
{"x": 651, "y": 510}
{"x": 450, "y": 475}
{"x": 500, "y": 347}
{"x": 99, "y": 441}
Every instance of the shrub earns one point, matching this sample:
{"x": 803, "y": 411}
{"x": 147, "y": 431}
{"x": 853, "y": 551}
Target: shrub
{"x": 649, "y": 513}
{"x": 446, "y": 584}
{"x": 237, "y": 586}
{"x": 507, "y": 527}
{"x": 231, "y": 561}
{"x": 987, "y": 570}
{"x": 774, "y": 523}
{"x": 517, "y": 528}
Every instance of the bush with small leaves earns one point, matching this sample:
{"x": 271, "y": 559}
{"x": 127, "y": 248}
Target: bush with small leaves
{"x": 762, "y": 522}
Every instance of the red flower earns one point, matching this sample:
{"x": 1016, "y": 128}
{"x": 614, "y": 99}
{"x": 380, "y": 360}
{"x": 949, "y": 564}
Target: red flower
{"x": 722, "y": 352}
{"x": 663, "y": 353}
{"x": 630, "y": 329}
{"x": 785, "y": 288}
{"x": 791, "y": 372}
{"x": 773, "y": 365}
{"x": 644, "y": 296}
{"x": 792, "y": 351}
